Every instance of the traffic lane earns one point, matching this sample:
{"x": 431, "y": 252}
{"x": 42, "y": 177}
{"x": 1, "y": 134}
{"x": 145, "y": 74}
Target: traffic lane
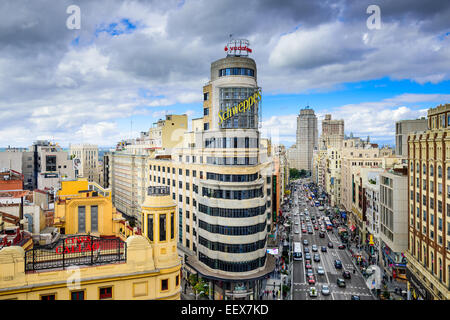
{"x": 357, "y": 284}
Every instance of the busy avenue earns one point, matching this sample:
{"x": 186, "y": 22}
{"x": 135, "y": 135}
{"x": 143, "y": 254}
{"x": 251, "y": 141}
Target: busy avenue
{"x": 322, "y": 265}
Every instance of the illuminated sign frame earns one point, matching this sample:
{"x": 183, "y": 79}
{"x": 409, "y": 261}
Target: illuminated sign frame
{"x": 241, "y": 107}
{"x": 238, "y": 47}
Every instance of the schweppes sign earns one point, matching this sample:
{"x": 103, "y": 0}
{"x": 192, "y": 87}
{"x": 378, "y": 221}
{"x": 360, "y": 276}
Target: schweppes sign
{"x": 242, "y": 106}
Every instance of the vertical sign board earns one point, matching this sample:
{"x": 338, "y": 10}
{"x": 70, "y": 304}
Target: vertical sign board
{"x": 274, "y": 198}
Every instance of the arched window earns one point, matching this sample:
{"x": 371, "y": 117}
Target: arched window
{"x": 411, "y": 166}
{"x": 439, "y": 172}
{"x": 417, "y": 168}
{"x": 448, "y": 173}
{"x": 431, "y": 170}
{"x": 424, "y": 169}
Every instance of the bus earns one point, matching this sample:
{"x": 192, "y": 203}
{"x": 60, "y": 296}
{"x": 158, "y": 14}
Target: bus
{"x": 297, "y": 251}
{"x": 328, "y": 223}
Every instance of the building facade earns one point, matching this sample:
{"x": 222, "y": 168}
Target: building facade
{"x": 394, "y": 222}
{"x": 85, "y": 157}
{"x": 222, "y": 181}
{"x": 301, "y": 154}
{"x": 402, "y": 129}
{"x": 428, "y": 260}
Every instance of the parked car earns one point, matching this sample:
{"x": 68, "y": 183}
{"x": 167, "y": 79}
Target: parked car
{"x": 355, "y": 297}
{"x": 341, "y": 246}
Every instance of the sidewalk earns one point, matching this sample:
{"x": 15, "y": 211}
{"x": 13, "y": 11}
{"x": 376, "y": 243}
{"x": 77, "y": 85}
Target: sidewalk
{"x": 187, "y": 293}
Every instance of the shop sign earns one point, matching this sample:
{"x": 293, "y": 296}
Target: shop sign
{"x": 241, "y": 107}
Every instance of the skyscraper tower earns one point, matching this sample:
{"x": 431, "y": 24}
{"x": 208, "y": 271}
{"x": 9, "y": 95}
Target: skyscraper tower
{"x": 300, "y": 157}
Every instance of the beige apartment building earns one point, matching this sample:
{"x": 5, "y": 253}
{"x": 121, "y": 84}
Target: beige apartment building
{"x": 394, "y": 221}
{"x": 428, "y": 266}
{"x": 125, "y": 169}
{"x": 85, "y": 158}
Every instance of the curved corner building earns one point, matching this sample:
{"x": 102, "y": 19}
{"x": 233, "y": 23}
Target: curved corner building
{"x": 222, "y": 181}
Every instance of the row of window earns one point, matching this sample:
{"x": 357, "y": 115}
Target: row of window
{"x": 105, "y": 292}
{"x": 82, "y": 219}
{"x": 236, "y": 72}
{"x": 162, "y": 227}
{"x": 232, "y": 248}
{"x": 232, "y": 177}
{"x": 235, "y": 142}
{"x": 232, "y": 194}
{"x": 424, "y": 170}
{"x": 235, "y": 161}
{"x": 232, "y": 231}
{"x": 232, "y": 213}
{"x": 180, "y": 171}
{"x": 243, "y": 266}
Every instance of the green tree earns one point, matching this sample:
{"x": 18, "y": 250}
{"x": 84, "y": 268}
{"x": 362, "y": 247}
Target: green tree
{"x": 294, "y": 173}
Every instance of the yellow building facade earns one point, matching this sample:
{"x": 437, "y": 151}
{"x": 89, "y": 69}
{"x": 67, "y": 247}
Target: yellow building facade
{"x": 98, "y": 262}
{"x": 84, "y": 207}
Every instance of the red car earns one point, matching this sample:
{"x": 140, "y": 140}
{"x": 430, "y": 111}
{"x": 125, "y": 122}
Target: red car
{"x": 308, "y": 266}
{"x": 316, "y": 227}
{"x": 304, "y": 230}
{"x": 311, "y": 280}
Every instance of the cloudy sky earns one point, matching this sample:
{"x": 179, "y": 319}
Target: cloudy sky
{"x": 131, "y": 62}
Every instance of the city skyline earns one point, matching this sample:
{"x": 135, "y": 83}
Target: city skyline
{"x": 131, "y": 64}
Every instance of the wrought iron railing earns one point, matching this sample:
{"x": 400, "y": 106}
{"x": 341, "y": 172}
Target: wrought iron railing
{"x": 75, "y": 251}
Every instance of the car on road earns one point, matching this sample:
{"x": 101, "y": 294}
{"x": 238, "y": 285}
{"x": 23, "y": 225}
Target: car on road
{"x": 306, "y": 250}
{"x": 305, "y": 242}
{"x": 322, "y": 234}
{"x": 316, "y": 227}
{"x": 324, "y": 249}
{"x": 311, "y": 280}
{"x": 325, "y": 290}
{"x": 310, "y": 231}
{"x": 320, "y": 270}
{"x": 338, "y": 264}
{"x": 309, "y": 272}
{"x": 308, "y": 265}
{"x": 340, "y": 282}
{"x": 341, "y": 246}
{"x": 296, "y": 222}
{"x": 321, "y": 208}
{"x": 313, "y": 292}
{"x": 346, "y": 274}
{"x": 355, "y": 297}
{"x": 307, "y": 256}
{"x": 330, "y": 244}
{"x": 314, "y": 248}
{"x": 304, "y": 230}
{"x": 316, "y": 257}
